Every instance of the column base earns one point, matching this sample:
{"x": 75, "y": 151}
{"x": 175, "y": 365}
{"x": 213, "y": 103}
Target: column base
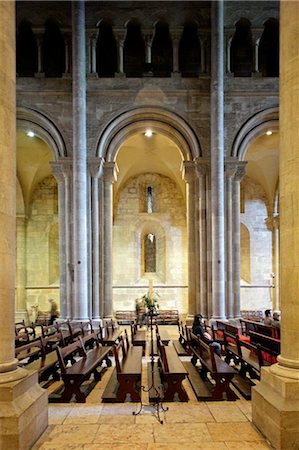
{"x": 275, "y": 409}
{"x": 23, "y": 412}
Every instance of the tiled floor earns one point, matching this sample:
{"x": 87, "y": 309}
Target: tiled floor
{"x": 192, "y": 425}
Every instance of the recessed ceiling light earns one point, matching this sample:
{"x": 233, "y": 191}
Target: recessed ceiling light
{"x": 269, "y": 132}
{"x": 30, "y": 134}
{"x": 148, "y": 133}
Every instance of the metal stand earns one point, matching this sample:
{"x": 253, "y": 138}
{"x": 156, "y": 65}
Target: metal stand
{"x": 159, "y": 390}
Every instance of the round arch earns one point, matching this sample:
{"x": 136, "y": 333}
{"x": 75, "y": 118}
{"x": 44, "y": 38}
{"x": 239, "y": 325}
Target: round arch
{"x": 43, "y": 127}
{"x": 159, "y": 120}
{"x": 253, "y": 128}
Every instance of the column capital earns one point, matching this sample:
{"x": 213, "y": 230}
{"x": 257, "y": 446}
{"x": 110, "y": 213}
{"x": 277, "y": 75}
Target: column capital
{"x": 176, "y": 34}
{"x": 235, "y": 169}
{"x": 38, "y": 33}
{"x": 148, "y": 36}
{"x": 110, "y": 171}
{"x": 95, "y": 166}
{"x": 92, "y": 33}
{"x": 120, "y": 35}
{"x": 272, "y": 222}
{"x": 202, "y": 166}
{"x": 62, "y": 168}
{"x": 256, "y": 34}
{"x": 188, "y": 171}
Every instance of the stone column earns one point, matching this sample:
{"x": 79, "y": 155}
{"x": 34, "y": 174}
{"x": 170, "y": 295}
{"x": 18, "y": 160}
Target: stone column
{"x": 80, "y": 294}
{"x": 93, "y": 36}
{"x": 120, "y": 35}
{"x": 148, "y": 38}
{"x": 110, "y": 176}
{"x": 228, "y": 42}
{"x": 39, "y": 34}
{"x": 238, "y": 175}
{"x": 217, "y": 162}
{"x": 278, "y": 390}
{"x": 256, "y": 37}
{"x": 62, "y": 172}
{"x": 67, "y": 48}
{"x": 176, "y": 36}
{"x": 188, "y": 173}
{"x": 96, "y": 170}
{"x": 276, "y": 269}
{"x": 23, "y": 404}
{"x": 21, "y": 304}
{"x": 203, "y": 49}
{"x": 202, "y": 167}
{"x": 230, "y": 170}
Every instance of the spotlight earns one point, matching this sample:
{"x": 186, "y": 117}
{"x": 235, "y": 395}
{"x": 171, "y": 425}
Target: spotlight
{"x": 269, "y": 132}
{"x": 148, "y": 133}
{"x": 30, "y": 134}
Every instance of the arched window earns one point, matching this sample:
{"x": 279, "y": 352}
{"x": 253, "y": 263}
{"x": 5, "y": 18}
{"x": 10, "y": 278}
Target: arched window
{"x": 150, "y": 253}
{"x": 269, "y": 49}
{"x": 189, "y": 52}
{"x": 241, "y": 50}
{"x": 106, "y": 51}
{"x": 26, "y": 51}
{"x": 162, "y": 51}
{"x": 149, "y": 199}
{"x": 134, "y": 51}
{"x": 53, "y": 50}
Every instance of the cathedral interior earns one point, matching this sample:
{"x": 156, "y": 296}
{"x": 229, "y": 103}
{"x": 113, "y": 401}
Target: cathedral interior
{"x": 149, "y": 144}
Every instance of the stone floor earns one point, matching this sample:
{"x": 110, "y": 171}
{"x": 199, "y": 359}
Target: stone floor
{"x": 192, "y": 425}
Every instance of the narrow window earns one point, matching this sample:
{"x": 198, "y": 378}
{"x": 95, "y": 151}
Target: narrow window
{"x": 149, "y": 200}
{"x": 150, "y": 253}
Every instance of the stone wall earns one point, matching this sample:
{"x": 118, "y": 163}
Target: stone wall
{"x": 256, "y": 245}
{"x": 168, "y": 223}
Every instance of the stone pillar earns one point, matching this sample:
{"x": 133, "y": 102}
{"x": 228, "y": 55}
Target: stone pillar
{"x": 188, "y": 173}
{"x": 62, "y": 172}
{"x": 23, "y": 404}
{"x": 148, "y": 38}
{"x": 275, "y": 400}
{"x": 203, "y": 49}
{"x": 256, "y": 37}
{"x": 202, "y": 167}
{"x": 80, "y": 294}
{"x": 176, "y": 36}
{"x": 120, "y": 35}
{"x": 276, "y": 269}
{"x": 21, "y": 304}
{"x": 110, "y": 176}
{"x": 228, "y": 42}
{"x": 67, "y": 49}
{"x": 39, "y": 34}
{"x": 93, "y": 36}
{"x": 217, "y": 163}
{"x": 96, "y": 170}
{"x": 238, "y": 175}
{"x": 229, "y": 173}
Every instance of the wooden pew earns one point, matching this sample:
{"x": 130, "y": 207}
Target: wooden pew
{"x": 125, "y": 317}
{"x": 125, "y": 380}
{"x": 182, "y": 345}
{"x": 218, "y": 369}
{"x": 168, "y": 374}
{"x": 46, "y": 364}
{"x": 248, "y": 357}
{"x": 73, "y": 376}
{"x": 108, "y": 335}
{"x": 138, "y": 337}
{"x": 168, "y": 316}
{"x": 30, "y": 351}
{"x": 258, "y": 327}
{"x": 270, "y": 347}
{"x": 53, "y": 336}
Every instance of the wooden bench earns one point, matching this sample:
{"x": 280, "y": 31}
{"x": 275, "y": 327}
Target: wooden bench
{"x": 108, "y": 335}
{"x": 46, "y": 364}
{"x": 73, "y": 376}
{"x": 168, "y": 374}
{"x": 181, "y": 345}
{"x": 212, "y": 364}
{"x": 270, "y": 347}
{"x": 125, "y": 381}
{"x": 258, "y": 327}
{"x": 125, "y": 317}
{"x": 138, "y": 337}
{"x": 248, "y": 357}
{"x": 30, "y": 351}
{"x": 168, "y": 316}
